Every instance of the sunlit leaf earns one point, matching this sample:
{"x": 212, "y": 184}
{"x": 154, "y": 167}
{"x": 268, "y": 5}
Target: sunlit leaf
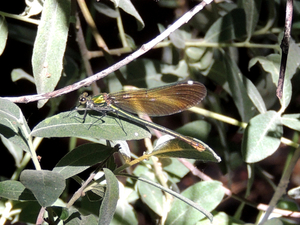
{"x": 50, "y": 45}
{"x": 129, "y": 8}
{"x": 208, "y": 194}
{"x": 292, "y": 121}
{"x": 13, "y": 125}
{"x": 3, "y": 34}
{"x": 262, "y": 136}
{"x": 152, "y": 197}
{"x": 109, "y": 203}
{"x": 95, "y": 126}
{"x": 180, "y": 149}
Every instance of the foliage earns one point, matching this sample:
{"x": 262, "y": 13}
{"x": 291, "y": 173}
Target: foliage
{"x": 231, "y": 47}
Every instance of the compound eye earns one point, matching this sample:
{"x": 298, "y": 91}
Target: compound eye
{"x": 82, "y": 100}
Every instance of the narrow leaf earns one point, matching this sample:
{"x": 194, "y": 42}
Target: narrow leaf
{"x": 262, "y": 137}
{"x": 238, "y": 90}
{"x": 3, "y": 34}
{"x": 50, "y": 45}
{"x": 228, "y": 27}
{"x": 179, "y": 149}
{"x": 152, "y": 197}
{"x": 13, "y": 125}
{"x": 252, "y": 11}
{"x": 129, "y": 8}
{"x": 109, "y": 203}
{"x": 254, "y": 95}
{"x": 17, "y": 74}
{"x": 14, "y": 150}
{"x": 106, "y": 10}
{"x": 292, "y": 121}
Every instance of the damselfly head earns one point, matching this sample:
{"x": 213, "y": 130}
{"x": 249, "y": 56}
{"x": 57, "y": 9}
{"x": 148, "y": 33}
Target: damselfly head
{"x": 83, "y": 98}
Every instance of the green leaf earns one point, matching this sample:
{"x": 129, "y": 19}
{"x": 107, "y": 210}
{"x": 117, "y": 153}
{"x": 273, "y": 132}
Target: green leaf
{"x": 15, "y": 190}
{"x": 199, "y": 129}
{"x": 271, "y": 64}
{"x": 29, "y": 211}
{"x": 23, "y": 34}
{"x": 291, "y": 120}
{"x": 68, "y": 124}
{"x": 3, "y": 33}
{"x": 229, "y": 27}
{"x": 175, "y": 167}
{"x": 262, "y": 137}
{"x": 98, "y": 190}
{"x": 81, "y": 158}
{"x": 18, "y": 74}
{"x": 61, "y": 212}
{"x": 50, "y": 45}
{"x": 208, "y": 194}
{"x": 273, "y": 221}
{"x": 13, "y": 125}
{"x": 180, "y": 197}
{"x": 238, "y": 90}
{"x": 106, "y": 10}
{"x": 294, "y": 193}
{"x": 125, "y": 214}
{"x": 77, "y": 218}
{"x": 34, "y": 7}
{"x": 180, "y": 149}
{"x": 177, "y": 39}
{"x": 252, "y": 10}
{"x": 152, "y": 197}
{"x": 194, "y": 54}
{"x": 293, "y": 56}
{"x": 254, "y": 95}
{"x": 216, "y": 74}
{"x": 109, "y": 203}
{"x": 14, "y": 150}
{"x": 129, "y": 8}
{"x": 221, "y": 218}
{"x": 46, "y": 186}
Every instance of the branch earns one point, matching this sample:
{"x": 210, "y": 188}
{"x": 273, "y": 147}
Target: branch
{"x": 142, "y": 50}
{"x": 285, "y": 43}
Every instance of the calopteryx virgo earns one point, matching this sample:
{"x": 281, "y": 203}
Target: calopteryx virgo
{"x": 160, "y": 101}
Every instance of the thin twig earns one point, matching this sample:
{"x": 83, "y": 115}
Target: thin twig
{"x": 84, "y": 52}
{"x": 284, "y": 181}
{"x": 285, "y": 47}
{"x": 144, "y": 48}
{"x": 40, "y": 218}
{"x": 89, "y": 19}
